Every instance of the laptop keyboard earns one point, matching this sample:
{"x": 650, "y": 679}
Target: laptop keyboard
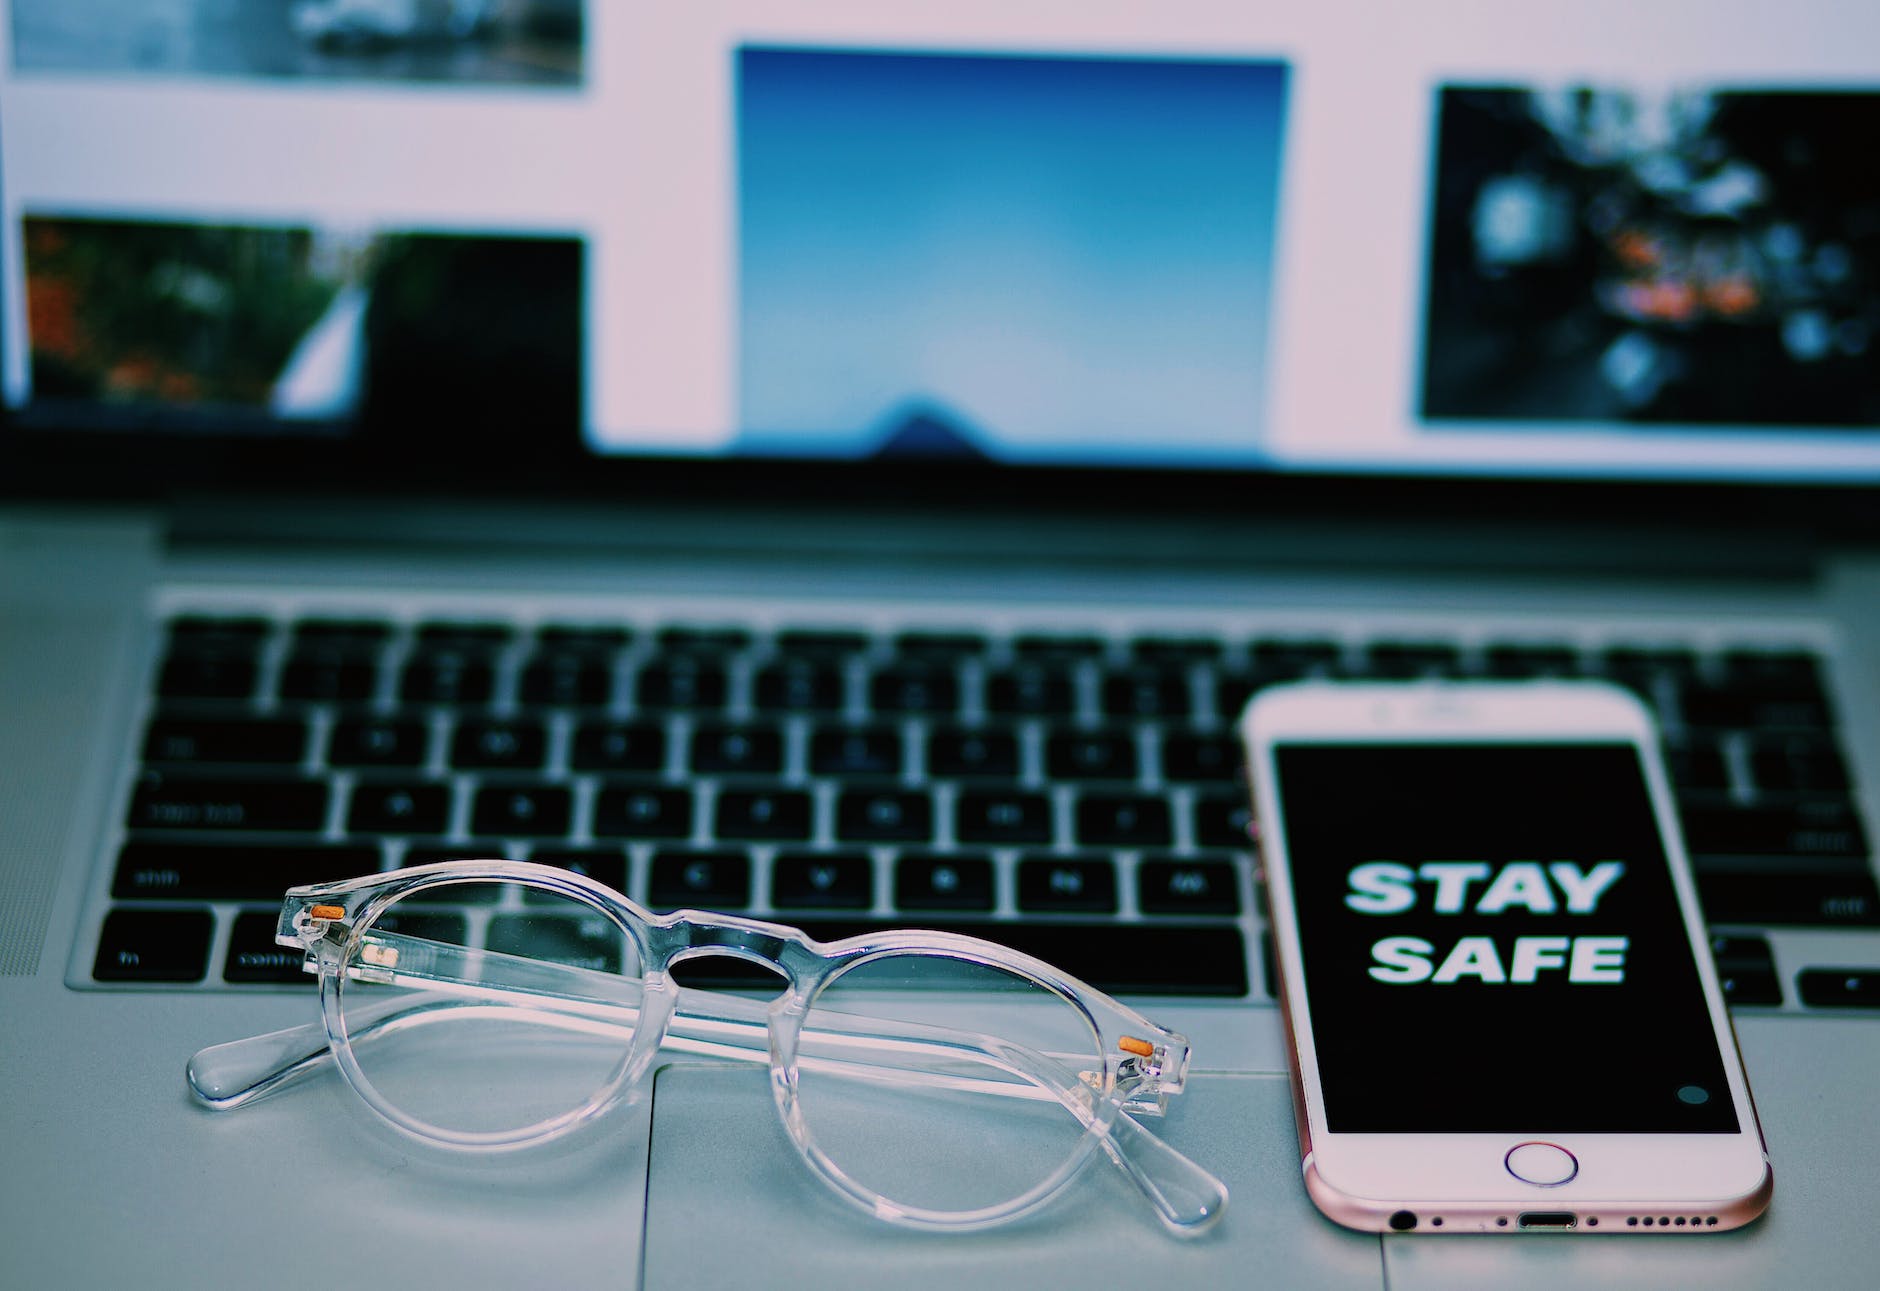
{"x": 1050, "y": 791}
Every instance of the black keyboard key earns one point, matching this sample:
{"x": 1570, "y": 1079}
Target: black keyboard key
{"x": 1516, "y": 661}
{"x": 358, "y": 633}
{"x": 1062, "y": 885}
{"x": 520, "y": 811}
{"x": 464, "y": 893}
{"x": 1410, "y": 659}
{"x": 432, "y": 925}
{"x": 1089, "y": 755}
{"x": 1199, "y": 759}
{"x": 703, "y": 880}
{"x": 1124, "y": 820}
{"x": 607, "y": 865}
{"x": 1790, "y": 899}
{"x": 684, "y": 638}
{"x": 1746, "y": 970}
{"x": 822, "y": 881}
{"x": 1773, "y": 674}
{"x": 772, "y": 815}
{"x": 940, "y": 645}
{"x": 604, "y": 865}
{"x": 1177, "y": 650}
{"x": 1750, "y": 986}
{"x": 180, "y": 802}
{"x": 1734, "y": 949}
{"x": 1291, "y": 658}
{"x": 1162, "y": 959}
{"x": 509, "y": 744}
{"x": 1233, "y": 690}
{"x": 209, "y": 674}
{"x": 569, "y": 679}
{"x": 915, "y": 688}
{"x": 1813, "y": 827}
{"x": 1003, "y": 818}
{"x": 1187, "y": 887}
{"x": 1697, "y": 765}
{"x": 1636, "y": 661}
{"x": 224, "y": 871}
{"x": 681, "y": 683}
{"x": 447, "y": 677}
{"x": 243, "y": 740}
{"x": 737, "y": 750}
{"x": 798, "y": 686}
{"x": 1721, "y": 706}
{"x": 399, "y": 807}
{"x": 597, "y": 638}
{"x": 1839, "y": 988}
{"x": 1798, "y": 764}
{"x": 153, "y": 946}
{"x": 327, "y": 673}
{"x": 590, "y": 941}
{"x": 1223, "y": 820}
{"x": 643, "y": 811}
{"x": 1031, "y": 690}
{"x": 243, "y": 629}
{"x": 618, "y": 746}
{"x": 254, "y": 955}
{"x": 1148, "y": 693}
{"x": 964, "y": 753}
{"x": 378, "y": 742}
{"x": 821, "y": 641}
{"x": 884, "y": 816}
{"x": 923, "y": 882}
{"x": 855, "y": 752}
{"x": 459, "y": 633}
{"x": 1043, "y": 645}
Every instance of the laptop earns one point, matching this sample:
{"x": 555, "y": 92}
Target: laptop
{"x": 849, "y": 465}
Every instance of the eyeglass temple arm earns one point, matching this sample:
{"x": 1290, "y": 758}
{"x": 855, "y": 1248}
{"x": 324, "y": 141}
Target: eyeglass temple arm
{"x": 1186, "y": 1197}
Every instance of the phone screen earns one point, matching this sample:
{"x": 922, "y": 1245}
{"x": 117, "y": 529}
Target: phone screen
{"x": 1492, "y": 942}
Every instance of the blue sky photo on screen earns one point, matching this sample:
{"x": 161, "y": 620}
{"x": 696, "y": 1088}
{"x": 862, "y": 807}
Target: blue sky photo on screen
{"x": 1034, "y": 258}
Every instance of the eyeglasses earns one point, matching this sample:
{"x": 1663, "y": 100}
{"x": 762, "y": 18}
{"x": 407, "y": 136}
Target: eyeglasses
{"x": 933, "y": 1080}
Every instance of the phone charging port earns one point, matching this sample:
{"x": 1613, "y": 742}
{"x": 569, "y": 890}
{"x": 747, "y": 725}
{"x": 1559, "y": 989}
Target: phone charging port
{"x": 1548, "y": 1221}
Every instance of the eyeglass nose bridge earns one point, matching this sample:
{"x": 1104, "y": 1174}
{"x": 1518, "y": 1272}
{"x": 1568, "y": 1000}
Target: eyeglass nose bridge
{"x": 695, "y": 936}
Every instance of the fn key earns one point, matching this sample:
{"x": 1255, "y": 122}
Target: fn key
{"x": 153, "y": 946}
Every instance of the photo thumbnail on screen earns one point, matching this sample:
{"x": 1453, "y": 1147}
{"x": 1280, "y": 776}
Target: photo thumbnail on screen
{"x": 496, "y": 42}
{"x": 237, "y": 326}
{"x": 1698, "y": 256}
{"x": 1021, "y": 256}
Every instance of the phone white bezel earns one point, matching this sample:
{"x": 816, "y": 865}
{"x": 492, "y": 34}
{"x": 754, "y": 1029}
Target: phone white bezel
{"x": 1363, "y": 1180}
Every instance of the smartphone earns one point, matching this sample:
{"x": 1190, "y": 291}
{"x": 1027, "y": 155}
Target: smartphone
{"x": 1502, "y": 1014}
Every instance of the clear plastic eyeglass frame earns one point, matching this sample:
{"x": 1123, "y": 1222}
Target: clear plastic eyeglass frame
{"x": 1142, "y": 1064}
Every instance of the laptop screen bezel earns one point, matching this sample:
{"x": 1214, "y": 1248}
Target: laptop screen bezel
{"x": 74, "y": 460}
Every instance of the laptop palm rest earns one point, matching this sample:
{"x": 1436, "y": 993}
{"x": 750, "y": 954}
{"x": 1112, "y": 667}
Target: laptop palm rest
{"x": 729, "y": 1202}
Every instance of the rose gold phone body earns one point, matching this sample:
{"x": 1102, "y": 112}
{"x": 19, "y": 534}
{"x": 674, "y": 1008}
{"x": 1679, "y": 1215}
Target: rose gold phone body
{"x": 1460, "y": 1182}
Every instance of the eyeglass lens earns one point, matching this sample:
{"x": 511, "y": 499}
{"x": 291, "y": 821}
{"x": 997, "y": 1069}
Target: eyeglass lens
{"x": 462, "y": 1059}
{"x": 926, "y": 1122}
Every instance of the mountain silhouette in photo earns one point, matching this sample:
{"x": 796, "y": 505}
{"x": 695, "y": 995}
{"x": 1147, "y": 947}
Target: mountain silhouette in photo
{"x": 926, "y": 429}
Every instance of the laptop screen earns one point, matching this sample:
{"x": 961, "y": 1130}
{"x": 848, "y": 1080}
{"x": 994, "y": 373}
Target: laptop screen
{"x": 1591, "y": 239}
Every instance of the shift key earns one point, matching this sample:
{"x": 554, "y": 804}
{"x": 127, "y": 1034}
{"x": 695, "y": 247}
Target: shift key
{"x": 188, "y": 802}
{"x": 233, "y": 872}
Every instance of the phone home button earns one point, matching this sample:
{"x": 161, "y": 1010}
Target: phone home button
{"x": 1541, "y": 1163}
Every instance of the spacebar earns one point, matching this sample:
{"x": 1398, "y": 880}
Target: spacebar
{"x": 1123, "y": 959}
